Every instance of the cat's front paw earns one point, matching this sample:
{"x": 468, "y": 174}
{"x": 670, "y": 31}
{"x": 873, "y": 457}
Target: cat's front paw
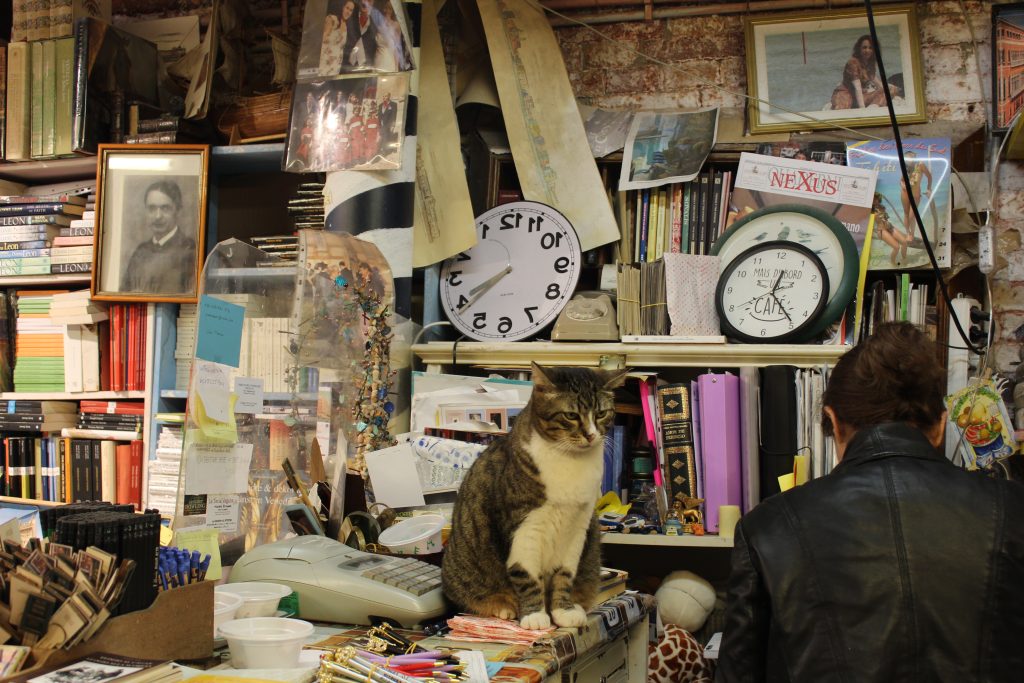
{"x": 574, "y": 617}
{"x": 536, "y": 621}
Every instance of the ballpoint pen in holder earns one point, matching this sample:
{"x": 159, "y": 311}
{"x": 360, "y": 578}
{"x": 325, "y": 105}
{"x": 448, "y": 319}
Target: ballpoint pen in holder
{"x": 348, "y": 664}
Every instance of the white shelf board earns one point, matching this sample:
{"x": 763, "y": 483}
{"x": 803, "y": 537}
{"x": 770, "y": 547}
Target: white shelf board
{"x": 267, "y": 396}
{"x": 266, "y": 272}
{"x": 53, "y": 279}
{"x": 610, "y": 354}
{"x": 69, "y": 396}
{"x": 685, "y": 541}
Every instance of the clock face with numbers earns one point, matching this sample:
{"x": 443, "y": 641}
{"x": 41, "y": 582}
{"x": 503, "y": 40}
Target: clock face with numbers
{"x": 517, "y": 278}
{"x": 772, "y": 292}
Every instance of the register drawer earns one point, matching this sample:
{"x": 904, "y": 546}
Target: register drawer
{"x": 605, "y": 665}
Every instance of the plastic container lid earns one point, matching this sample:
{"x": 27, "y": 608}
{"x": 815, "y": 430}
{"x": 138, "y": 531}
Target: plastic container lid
{"x": 225, "y": 601}
{"x": 256, "y": 590}
{"x": 266, "y": 629}
{"x": 415, "y": 531}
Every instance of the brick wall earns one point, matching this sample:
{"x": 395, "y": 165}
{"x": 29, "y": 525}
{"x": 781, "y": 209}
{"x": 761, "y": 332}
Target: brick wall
{"x": 711, "y": 49}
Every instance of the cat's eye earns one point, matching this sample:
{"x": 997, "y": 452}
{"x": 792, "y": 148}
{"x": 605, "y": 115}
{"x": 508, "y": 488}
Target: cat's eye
{"x": 572, "y": 417}
{"x": 602, "y": 414}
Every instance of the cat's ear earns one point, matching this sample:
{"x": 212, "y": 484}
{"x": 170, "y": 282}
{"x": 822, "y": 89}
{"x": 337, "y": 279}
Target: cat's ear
{"x": 614, "y": 378}
{"x": 541, "y": 380}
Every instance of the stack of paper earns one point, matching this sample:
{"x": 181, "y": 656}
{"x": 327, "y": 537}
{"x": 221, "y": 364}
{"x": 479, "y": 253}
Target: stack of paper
{"x": 39, "y": 345}
{"x": 165, "y": 470}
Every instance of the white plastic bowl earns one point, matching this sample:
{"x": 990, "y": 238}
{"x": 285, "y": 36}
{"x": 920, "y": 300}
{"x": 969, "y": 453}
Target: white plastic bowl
{"x": 266, "y": 642}
{"x": 419, "y": 535}
{"x": 225, "y": 607}
{"x": 260, "y": 598}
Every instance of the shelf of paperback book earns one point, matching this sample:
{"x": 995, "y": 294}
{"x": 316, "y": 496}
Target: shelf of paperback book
{"x": 70, "y": 395}
{"x": 53, "y": 279}
{"x": 511, "y": 355}
{"x": 684, "y": 541}
{"x": 29, "y": 501}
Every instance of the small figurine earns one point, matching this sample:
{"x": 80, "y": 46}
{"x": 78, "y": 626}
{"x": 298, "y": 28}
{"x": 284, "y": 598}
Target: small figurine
{"x": 673, "y": 525}
{"x": 693, "y": 520}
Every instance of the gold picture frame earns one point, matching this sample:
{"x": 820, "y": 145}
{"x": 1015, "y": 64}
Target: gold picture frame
{"x": 150, "y": 222}
{"x": 805, "y": 64}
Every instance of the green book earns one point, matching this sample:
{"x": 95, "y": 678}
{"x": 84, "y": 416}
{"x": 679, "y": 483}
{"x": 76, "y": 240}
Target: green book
{"x": 36, "y": 99}
{"x": 65, "y": 96}
{"x": 904, "y": 295}
{"x": 49, "y": 95}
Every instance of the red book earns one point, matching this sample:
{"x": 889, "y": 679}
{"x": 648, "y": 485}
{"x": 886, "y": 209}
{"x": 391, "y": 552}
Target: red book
{"x": 112, "y": 407}
{"x": 104, "y": 332}
{"x": 135, "y": 478}
{"x": 123, "y": 463}
{"x": 143, "y": 321}
{"x": 115, "y": 347}
{"x": 129, "y": 377}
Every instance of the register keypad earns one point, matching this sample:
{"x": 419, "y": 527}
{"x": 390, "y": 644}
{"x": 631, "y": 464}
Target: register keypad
{"x": 412, "y": 576}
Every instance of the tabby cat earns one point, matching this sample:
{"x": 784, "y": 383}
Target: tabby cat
{"x": 524, "y": 540}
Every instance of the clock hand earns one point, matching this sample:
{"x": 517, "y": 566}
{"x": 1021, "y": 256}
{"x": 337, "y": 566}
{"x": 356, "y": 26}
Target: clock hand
{"x": 776, "y": 285}
{"x": 483, "y": 287}
{"x": 781, "y": 307}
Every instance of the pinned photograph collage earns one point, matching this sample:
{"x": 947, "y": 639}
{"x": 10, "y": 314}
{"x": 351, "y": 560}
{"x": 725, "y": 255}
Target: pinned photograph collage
{"x": 352, "y": 87}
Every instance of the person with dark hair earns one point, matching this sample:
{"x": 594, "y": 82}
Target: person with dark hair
{"x": 897, "y": 566}
{"x": 861, "y": 86}
{"x": 165, "y": 263}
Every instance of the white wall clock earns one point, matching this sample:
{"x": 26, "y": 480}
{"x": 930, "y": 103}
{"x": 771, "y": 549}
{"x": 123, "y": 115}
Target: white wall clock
{"x": 772, "y": 292}
{"x": 810, "y": 227}
{"x": 517, "y": 278}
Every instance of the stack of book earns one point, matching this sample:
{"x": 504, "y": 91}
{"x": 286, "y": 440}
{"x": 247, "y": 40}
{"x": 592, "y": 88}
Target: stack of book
{"x": 41, "y": 19}
{"x": 33, "y": 467}
{"x": 30, "y": 226}
{"x": 76, "y": 308}
{"x": 165, "y": 470}
{"x": 185, "y": 345}
{"x": 164, "y": 130}
{"x": 306, "y": 207}
{"x": 127, "y": 347}
{"x": 112, "y": 419}
{"x": 284, "y": 247}
{"x": 36, "y": 416}
{"x": 39, "y": 345}
{"x": 73, "y": 247}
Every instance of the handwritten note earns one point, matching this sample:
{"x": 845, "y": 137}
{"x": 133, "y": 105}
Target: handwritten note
{"x": 218, "y": 469}
{"x": 219, "y": 333}
{"x": 211, "y": 384}
{"x": 250, "y": 395}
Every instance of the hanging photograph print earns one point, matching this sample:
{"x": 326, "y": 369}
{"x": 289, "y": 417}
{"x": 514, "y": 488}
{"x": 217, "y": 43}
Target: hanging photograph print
{"x": 353, "y": 36}
{"x": 347, "y": 123}
{"x": 664, "y": 148}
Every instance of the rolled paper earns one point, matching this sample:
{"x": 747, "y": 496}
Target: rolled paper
{"x": 728, "y": 515}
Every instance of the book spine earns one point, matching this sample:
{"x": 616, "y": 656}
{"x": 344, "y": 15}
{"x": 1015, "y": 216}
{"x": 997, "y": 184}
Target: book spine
{"x": 645, "y": 219}
{"x": 3, "y": 100}
{"x": 17, "y": 124}
{"x": 64, "y": 95}
{"x": 714, "y": 208}
{"x": 684, "y": 241}
{"x": 160, "y": 125}
{"x": 65, "y": 268}
{"x": 677, "y": 218}
{"x": 18, "y": 246}
{"x": 32, "y": 209}
{"x": 81, "y": 78}
{"x": 80, "y": 231}
{"x": 24, "y": 253}
{"x": 36, "y": 100}
{"x": 677, "y": 436}
{"x": 26, "y": 220}
{"x": 49, "y": 97}
{"x": 694, "y": 213}
{"x": 159, "y": 138}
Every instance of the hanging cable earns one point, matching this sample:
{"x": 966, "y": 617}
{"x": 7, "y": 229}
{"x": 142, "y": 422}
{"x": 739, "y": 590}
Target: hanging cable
{"x": 906, "y": 180}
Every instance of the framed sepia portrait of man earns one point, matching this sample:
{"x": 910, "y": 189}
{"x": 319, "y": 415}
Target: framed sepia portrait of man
{"x": 150, "y": 222}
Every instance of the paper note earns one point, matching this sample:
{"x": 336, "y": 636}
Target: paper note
{"x": 166, "y": 535}
{"x": 800, "y": 470}
{"x": 222, "y": 513}
{"x": 476, "y": 665}
{"x": 214, "y": 431}
{"x": 394, "y": 478}
{"x": 219, "y": 332}
{"x": 211, "y": 384}
{"x": 250, "y": 395}
{"x": 218, "y": 469}
{"x": 787, "y": 481}
{"x": 205, "y": 541}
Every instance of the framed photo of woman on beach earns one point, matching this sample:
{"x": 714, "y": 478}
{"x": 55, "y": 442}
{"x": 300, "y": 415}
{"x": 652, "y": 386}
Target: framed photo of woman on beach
{"x": 807, "y": 71}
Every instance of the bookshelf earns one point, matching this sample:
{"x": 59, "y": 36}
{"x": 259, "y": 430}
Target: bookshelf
{"x": 518, "y": 355}
{"x": 12, "y": 500}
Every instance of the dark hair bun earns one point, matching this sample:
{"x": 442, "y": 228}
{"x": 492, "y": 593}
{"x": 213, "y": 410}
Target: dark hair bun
{"x": 892, "y": 376}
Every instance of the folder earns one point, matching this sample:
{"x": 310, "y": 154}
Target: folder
{"x": 750, "y": 386}
{"x": 720, "y": 435}
{"x": 778, "y": 425}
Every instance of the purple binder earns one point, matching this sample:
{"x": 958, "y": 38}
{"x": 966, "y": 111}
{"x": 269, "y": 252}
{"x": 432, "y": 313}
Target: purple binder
{"x": 720, "y": 435}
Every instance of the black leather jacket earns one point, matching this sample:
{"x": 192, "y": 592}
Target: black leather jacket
{"x": 898, "y": 566}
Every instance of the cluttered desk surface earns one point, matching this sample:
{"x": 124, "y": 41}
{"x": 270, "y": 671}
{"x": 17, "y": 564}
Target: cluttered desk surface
{"x": 520, "y": 663}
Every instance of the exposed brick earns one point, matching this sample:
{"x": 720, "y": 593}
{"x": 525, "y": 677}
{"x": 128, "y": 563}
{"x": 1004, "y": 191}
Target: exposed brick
{"x": 974, "y": 112}
{"x": 640, "y": 79}
{"x": 956, "y": 88}
{"x": 689, "y": 74}
{"x": 947, "y": 59}
{"x": 1005, "y": 356}
{"x": 1008, "y": 295}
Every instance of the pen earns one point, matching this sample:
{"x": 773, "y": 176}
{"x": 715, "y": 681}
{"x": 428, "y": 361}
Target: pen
{"x": 193, "y": 567}
{"x": 203, "y": 567}
{"x": 162, "y": 571}
{"x": 172, "y": 569}
{"x": 182, "y": 567}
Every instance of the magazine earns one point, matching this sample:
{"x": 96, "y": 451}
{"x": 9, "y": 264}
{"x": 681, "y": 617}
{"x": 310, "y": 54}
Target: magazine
{"x": 846, "y": 193}
{"x": 897, "y": 243}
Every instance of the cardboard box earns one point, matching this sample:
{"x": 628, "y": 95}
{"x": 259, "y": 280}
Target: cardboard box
{"x": 178, "y": 625}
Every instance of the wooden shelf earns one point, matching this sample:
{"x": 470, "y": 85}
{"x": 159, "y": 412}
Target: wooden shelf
{"x": 29, "y": 501}
{"x": 615, "y": 355}
{"x": 70, "y": 396}
{"x": 685, "y": 541}
{"x": 49, "y": 171}
{"x": 54, "y": 279}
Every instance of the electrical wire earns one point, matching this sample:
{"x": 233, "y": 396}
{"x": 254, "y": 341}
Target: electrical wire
{"x": 906, "y": 178}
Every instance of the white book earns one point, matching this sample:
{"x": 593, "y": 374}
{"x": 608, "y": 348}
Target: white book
{"x": 90, "y": 358}
{"x": 73, "y": 358}
{"x": 108, "y": 471}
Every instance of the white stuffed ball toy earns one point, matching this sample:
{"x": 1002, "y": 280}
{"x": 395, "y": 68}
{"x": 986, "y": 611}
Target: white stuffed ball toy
{"x": 685, "y": 599}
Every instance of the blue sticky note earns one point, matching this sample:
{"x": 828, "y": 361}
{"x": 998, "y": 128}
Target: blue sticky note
{"x": 219, "y": 334}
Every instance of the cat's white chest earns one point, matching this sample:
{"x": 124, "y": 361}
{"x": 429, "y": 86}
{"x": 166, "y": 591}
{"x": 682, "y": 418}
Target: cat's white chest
{"x": 573, "y": 479}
